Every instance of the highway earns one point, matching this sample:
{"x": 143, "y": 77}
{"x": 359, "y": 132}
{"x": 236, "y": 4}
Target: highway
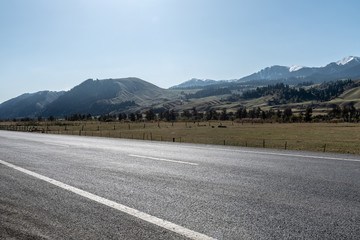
{"x": 73, "y": 187}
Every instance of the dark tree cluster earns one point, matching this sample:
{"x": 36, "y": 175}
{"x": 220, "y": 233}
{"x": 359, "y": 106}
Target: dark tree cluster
{"x": 107, "y": 118}
{"x": 78, "y": 117}
{"x": 210, "y": 91}
{"x": 347, "y": 113}
{"x": 284, "y": 116}
{"x": 282, "y": 94}
{"x": 168, "y": 115}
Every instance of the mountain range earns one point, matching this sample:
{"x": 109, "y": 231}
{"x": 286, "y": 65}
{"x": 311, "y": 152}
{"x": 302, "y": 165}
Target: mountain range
{"x": 348, "y": 67}
{"x": 133, "y": 94}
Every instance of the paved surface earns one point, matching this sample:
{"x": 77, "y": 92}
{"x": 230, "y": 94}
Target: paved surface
{"x": 221, "y": 192}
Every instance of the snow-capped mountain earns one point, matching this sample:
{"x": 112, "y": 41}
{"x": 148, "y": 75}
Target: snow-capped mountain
{"x": 334, "y": 69}
{"x": 348, "y": 67}
{"x": 295, "y": 68}
{"x": 347, "y": 60}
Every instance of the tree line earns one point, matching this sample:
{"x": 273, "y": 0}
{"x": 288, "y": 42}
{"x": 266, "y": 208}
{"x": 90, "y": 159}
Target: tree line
{"x": 346, "y": 113}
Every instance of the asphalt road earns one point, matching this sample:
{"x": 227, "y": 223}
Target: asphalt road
{"x": 175, "y": 190}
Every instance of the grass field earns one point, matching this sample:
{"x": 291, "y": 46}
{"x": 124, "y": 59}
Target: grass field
{"x": 328, "y": 137}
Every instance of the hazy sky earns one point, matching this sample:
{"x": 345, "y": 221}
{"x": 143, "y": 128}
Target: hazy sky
{"x": 57, "y": 44}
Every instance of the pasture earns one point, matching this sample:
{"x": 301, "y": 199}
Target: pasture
{"x": 324, "y": 137}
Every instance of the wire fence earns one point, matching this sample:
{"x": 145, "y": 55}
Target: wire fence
{"x": 228, "y": 134}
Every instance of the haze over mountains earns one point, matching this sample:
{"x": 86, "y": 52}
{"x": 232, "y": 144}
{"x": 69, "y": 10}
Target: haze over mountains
{"x": 132, "y": 94}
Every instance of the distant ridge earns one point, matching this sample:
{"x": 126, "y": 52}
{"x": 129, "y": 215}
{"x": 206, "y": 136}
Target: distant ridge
{"x": 348, "y": 67}
{"x": 194, "y": 82}
{"x": 28, "y": 104}
{"x": 104, "y": 96}
{"x": 91, "y": 96}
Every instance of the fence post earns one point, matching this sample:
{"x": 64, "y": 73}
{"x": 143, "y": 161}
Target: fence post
{"x": 173, "y": 139}
{"x": 263, "y": 143}
{"x": 224, "y": 141}
{"x": 325, "y": 147}
{"x": 285, "y": 145}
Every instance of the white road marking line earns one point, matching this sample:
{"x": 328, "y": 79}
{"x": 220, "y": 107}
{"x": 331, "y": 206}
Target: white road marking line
{"x": 131, "y": 211}
{"x": 279, "y": 154}
{"x": 163, "y": 159}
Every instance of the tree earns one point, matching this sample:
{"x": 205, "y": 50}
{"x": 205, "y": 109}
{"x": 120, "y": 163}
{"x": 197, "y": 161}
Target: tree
{"x": 352, "y": 112}
{"x": 301, "y": 116}
{"x": 308, "y": 114}
{"x": 257, "y": 112}
{"x": 211, "y": 115}
{"x": 270, "y": 113}
{"x": 252, "y": 113}
{"x": 241, "y": 113}
{"x": 186, "y": 114}
{"x": 244, "y": 113}
{"x": 172, "y": 115}
{"x": 335, "y": 112}
{"x": 139, "y": 116}
{"x": 224, "y": 115}
{"x": 132, "y": 117}
{"x": 194, "y": 113}
{"x": 287, "y": 114}
{"x": 165, "y": 115}
{"x": 122, "y": 116}
{"x": 150, "y": 115}
{"x": 263, "y": 115}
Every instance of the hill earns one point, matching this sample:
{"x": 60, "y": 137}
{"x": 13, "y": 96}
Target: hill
{"x": 105, "y": 96}
{"x": 28, "y": 104}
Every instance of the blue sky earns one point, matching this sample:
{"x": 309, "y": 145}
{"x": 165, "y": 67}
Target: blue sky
{"x": 57, "y": 44}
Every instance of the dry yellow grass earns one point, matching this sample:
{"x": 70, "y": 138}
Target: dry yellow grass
{"x": 338, "y": 137}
